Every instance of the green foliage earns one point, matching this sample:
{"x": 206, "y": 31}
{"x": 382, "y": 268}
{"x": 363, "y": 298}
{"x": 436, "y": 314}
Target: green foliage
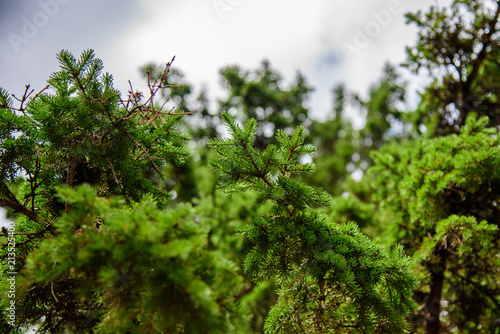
{"x": 85, "y": 127}
{"x": 459, "y": 47}
{"x": 100, "y": 249}
{"x": 89, "y": 269}
{"x": 224, "y": 217}
{"x": 142, "y": 262}
{"x": 119, "y": 229}
{"x": 259, "y": 94}
{"x": 443, "y": 197}
{"x": 318, "y": 265}
{"x": 442, "y": 175}
{"x": 463, "y": 234}
{"x": 336, "y": 143}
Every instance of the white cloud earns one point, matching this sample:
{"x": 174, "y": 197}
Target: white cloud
{"x": 293, "y": 35}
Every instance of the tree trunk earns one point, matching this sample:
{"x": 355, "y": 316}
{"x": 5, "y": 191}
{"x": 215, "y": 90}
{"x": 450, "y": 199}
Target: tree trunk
{"x": 70, "y": 178}
{"x": 434, "y": 300}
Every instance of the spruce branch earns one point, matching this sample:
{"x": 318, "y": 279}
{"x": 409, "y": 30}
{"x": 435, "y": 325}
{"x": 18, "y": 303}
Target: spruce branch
{"x": 298, "y": 246}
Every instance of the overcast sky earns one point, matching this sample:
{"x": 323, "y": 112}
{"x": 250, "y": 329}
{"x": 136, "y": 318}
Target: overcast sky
{"x": 328, "y": 41}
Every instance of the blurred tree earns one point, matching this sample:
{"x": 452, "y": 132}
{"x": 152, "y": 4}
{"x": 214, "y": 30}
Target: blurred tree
{"x": 459, "y": 48}
{"x": 344, "y": 151}
{"x": 439, "y": 196}
{"x": 258, "y": 94}
{"x": 442, "y": 195}
{"x": 384, "y": 117}
{"x": 336, "y": 142}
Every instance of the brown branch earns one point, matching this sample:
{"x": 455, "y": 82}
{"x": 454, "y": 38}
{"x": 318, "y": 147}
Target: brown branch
{"x": 5, "y": 234}
{"x": 137, "y": 144}
{"x": 70, "y": 179}
{"x": 40, "y": 92}
{"x": 23, "y": 99}
{"x": 118, "y": 181}
{"x": 77, "y": 79}
{"x": 6, "y": 191}
{"x": 246, "y": 289}
{"x": 358, "y": 326}
{"x": 18, "y": 207}
{"x": 117, "y": 122}
{"x": 52, "y": 290}
{"x": 260, "y": 174}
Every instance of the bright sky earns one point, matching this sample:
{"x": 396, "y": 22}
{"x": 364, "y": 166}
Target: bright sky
{"x": 328, "y": 41}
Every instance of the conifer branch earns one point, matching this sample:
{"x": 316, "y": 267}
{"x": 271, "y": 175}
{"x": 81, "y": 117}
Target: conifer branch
{"x": 118, "y": 181}
{"x": 24, "y": 98}
{"x": 260, "y": 174}
{"x": 137, "y": 144}
{"x": 18, "y": 207}
{"x": 291, "y": 234}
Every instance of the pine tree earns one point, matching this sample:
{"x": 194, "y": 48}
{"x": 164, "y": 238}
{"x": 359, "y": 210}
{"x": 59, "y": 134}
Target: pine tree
{"x": 102, "y": 256}
{"x": 442, "y": 195}
{"x": 458, "y": 47}
{"x": 331, "y": 277}
{"x": 101, "y": 248}
{"x": 438, "y": 196}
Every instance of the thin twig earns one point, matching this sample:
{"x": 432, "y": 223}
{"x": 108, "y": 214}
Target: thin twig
{"x": 118, "y": 181}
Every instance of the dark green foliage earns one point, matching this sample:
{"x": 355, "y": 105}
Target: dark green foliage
{"x": 85, "y": 270}
{"x": 443, "y": 196}
{"x": 141, "y": 263}
{"x": 319, "y": 266}
{"x": 86, "y": 133}
{"x": 259, "y": 94}
{"x": 224, "y": 217}
{"x": 440, "y": 196}
{"x": 100, "y": 249}
{"x": 459, "y": 47}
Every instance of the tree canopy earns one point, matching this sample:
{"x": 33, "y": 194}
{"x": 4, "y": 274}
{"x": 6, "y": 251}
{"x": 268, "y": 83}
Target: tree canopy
{"x": 136, "y": 213}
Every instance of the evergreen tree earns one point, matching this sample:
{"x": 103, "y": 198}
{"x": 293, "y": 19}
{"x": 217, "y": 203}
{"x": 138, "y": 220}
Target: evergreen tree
{"x": 460, "y": 48}
{"x": 442, "y": 195}
{"x": 101, "y": 247}
{"x": 330, "y": 276}
{"x": 343, "y": 150}
{"x": 439, "y": 196}
{"x": 336, "y": 142}
{"x": 259, "y": 94}
{"x": 102, "y": 257}
{"x": 118, "y": 229}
